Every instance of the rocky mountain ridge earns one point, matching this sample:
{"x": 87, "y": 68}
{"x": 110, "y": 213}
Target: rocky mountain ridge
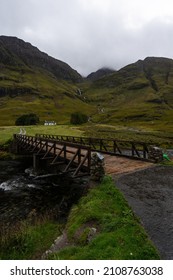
{"x": 17, "y": 53}
{"x": 100, "y": 73}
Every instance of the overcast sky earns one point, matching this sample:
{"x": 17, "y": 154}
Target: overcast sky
{"x": 90, "y": 34}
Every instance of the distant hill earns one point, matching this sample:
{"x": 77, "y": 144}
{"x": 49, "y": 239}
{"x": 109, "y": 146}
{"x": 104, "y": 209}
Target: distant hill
{"x": 140, "y": 93}
{"x": 16, "y": 52}
{"x": 100, "y": 73}
{"x": 33, "y": 82}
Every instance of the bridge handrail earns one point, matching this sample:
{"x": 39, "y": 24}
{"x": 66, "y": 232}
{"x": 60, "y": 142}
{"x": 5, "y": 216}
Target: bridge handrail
{"x": 59, "y": 152}
{"x": 31, "y": 137}
{"x": 131, "y": 149}
{"x": 92, "y": 139}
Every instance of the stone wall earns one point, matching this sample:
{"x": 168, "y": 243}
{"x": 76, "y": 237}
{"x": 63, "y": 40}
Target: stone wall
{"x": 97, "y": 167}
{"x": 155, "y": 153}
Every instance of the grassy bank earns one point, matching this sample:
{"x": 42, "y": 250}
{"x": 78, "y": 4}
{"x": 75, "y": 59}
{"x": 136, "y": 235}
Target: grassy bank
{"x": 102, "y": 226}
{"x": 28, "y": 240}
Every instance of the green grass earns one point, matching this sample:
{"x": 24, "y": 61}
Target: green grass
{"x": 119, "y": 234}
{"x": 27, "y": 241}
{"x": 130, "y": 133}
{"x": 94, "y": 130}
{"x": 6, "y": 132}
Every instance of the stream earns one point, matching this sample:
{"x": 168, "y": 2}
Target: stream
{"x": 22, "y": 192}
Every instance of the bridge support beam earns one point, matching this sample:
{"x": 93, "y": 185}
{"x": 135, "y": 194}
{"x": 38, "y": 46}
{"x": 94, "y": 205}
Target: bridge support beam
{"x": 39, "y": 164}
{"x": 36, "y": 162}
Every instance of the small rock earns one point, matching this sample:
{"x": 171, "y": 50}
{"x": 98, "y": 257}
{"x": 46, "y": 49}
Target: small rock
{"x": 91, "y": 234}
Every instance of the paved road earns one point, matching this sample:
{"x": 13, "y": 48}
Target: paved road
{"x": 150, "y": 194}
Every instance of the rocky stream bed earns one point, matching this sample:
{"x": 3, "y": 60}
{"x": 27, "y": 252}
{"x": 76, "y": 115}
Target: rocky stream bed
{"x": 22, "y": 192}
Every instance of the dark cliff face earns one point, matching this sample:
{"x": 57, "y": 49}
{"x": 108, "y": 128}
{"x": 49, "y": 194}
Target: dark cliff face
{"x": 15, "y": 52}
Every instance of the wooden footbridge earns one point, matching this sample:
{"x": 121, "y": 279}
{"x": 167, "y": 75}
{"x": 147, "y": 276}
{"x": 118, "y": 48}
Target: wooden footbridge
{"x": 73, "y": 154}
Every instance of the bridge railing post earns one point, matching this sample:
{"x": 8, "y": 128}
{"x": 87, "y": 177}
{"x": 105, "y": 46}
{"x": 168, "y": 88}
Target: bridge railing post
{"x": 79, "y": 155}
{"x": 65, "y": 151}
{"x": 145, "y": 150}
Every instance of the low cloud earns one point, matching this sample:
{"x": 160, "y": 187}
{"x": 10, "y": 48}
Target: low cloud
{"x": 89, "y": 34}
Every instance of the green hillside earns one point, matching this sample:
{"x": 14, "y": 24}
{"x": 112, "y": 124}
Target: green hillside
{"x": 36, "y": 92}
{"x": 140, "y": 94}
{"x": 33, "y": 82}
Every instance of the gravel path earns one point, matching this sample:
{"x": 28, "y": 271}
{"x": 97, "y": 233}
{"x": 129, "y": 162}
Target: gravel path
{"x": 150, "y": 194}
{"x": 117, "y": 164}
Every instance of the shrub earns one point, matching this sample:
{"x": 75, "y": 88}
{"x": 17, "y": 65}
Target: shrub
{"x": 28, "y": 119}
{"x": 78, "y": 118}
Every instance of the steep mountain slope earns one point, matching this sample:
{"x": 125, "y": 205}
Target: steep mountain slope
{"x": 100, "y": 73}
{"x": 16, "y": 52}
{"x": 33, "y": 82}
{"x": 138, "y": 93}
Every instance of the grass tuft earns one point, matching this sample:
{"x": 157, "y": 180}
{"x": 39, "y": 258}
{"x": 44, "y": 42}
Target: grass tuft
{"x": 28, "y": 239}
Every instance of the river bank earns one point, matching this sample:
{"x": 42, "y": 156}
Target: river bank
{"x": 101, "y": 226}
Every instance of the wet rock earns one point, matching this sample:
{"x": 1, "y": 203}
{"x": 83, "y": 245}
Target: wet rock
{"x": 92, "y": 233}
{"x": 60, "y": 243}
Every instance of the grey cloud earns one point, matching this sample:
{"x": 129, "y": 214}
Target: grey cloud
{"x": 89, "y": 34}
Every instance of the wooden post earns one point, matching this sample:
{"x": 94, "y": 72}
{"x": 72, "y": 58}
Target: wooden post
{"x": 36, "y": 162}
